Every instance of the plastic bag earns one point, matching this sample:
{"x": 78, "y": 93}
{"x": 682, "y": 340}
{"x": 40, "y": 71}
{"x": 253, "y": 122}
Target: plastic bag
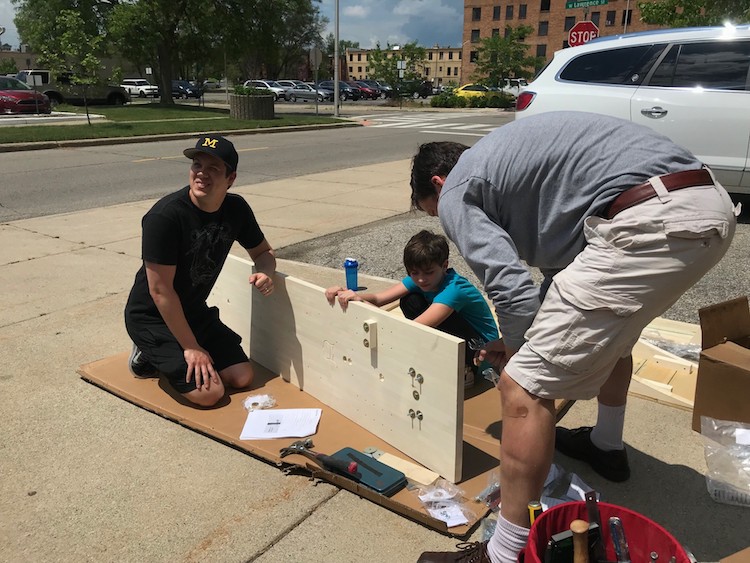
{"x": 443, "y": 500}
{"x": 727, "y": 448}
{"x": 255, "y": 402}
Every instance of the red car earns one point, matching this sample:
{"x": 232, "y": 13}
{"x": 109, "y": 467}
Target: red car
{"x": 17, "y": 97}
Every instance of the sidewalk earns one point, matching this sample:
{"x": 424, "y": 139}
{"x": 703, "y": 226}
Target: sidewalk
{"x": 89, "y": 477}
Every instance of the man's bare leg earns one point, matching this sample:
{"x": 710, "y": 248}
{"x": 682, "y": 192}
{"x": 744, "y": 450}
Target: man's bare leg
{"x": 526, "y": 450}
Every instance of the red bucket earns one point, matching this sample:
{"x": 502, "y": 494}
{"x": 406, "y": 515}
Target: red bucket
{"x": 643, "y": 535}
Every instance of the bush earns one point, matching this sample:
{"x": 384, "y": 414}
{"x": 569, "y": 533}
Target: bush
{"x": 241, "y": 90}
{"x": 501, "y": 100}
{"x": 447, "y": 100}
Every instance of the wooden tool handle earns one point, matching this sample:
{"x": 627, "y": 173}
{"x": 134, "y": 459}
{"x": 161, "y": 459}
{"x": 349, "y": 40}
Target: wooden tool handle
{"x": 580, "y": 530}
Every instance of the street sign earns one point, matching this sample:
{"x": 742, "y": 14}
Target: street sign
{"x": 582, "y": 32}
{"x": 316, "y": 57}
{"x": 573, "y": 4}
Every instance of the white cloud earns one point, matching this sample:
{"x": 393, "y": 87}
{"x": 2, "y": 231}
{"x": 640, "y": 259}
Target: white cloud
{"x": 7, "y": 13}
{"x": 357, "y": 11}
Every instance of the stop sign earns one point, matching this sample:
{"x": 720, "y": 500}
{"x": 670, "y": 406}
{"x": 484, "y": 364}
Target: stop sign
{"x": 582, "y": 32}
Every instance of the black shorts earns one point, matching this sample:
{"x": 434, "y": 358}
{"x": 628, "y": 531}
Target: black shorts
{"x": 162, "y": 350}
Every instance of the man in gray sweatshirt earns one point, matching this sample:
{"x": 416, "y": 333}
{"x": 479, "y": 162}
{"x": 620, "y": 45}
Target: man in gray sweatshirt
{"x": 621, "y": 222}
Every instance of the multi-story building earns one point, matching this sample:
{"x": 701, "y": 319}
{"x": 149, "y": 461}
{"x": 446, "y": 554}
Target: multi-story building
{"x": 442, "y": 65}
{"x": 550, "y": 19}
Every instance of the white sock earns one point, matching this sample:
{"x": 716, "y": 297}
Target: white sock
{"x": 507, "y": 541}
{"x": 610, "y": 423}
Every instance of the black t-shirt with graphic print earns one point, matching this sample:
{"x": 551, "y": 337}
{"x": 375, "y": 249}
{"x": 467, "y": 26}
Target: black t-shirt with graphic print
{"x": 177, "y": 233}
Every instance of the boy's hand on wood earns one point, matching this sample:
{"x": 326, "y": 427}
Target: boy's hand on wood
{"x": 332, "y": 292}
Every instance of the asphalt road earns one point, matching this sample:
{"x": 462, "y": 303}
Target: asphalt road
{"x": 53, "y": 181}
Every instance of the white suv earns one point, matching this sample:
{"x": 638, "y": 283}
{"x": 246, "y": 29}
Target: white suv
{"x": 140, "y": 87}
{"x": 276, "y": 89}
{"x": 692, "y": 85}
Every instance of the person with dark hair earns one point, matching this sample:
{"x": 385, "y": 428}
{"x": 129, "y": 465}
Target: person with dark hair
{"x": 434, "y": 295}
{"x": 621, "y": 222}
{"x": 187, "y": 236}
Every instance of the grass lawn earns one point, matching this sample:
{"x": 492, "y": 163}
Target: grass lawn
{"x": 148, "y": 119}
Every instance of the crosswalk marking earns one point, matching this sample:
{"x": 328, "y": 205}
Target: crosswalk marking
{"x": 444, "y": 123}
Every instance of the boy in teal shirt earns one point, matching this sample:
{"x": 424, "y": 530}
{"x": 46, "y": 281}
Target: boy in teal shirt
{"x": 433, "y": 295}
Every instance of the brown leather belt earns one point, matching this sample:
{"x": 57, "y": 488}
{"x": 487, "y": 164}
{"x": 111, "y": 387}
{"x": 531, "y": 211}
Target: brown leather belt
{"x": 645, "y": 191}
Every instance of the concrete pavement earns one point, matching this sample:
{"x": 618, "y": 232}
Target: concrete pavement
{"x": 87, "y": 476}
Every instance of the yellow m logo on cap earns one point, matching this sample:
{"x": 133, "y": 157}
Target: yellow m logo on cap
{"x": 208, "y": 142}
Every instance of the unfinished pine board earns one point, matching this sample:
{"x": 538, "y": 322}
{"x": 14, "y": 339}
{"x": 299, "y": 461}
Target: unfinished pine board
{"x": 662, "y": 376}
{"x": 372, "y": 366}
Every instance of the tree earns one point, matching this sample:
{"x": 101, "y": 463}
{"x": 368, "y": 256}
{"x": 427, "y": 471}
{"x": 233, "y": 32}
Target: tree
{"x": 329, "y": 43}
{"x": 384, "y": 63}
{"x": 692, "y": 13}
{"x": 501, "y": 57}
{"x": 8, "y": 66}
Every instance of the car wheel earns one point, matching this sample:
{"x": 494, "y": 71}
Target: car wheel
{"x": 54, "y": 100}
{"x": 116, "y": 100}
{"x": 141, "y": 94}
{"x": 292, "y": 98}
{"x": 321, "y": 98}
{"x": 415, "y": 95}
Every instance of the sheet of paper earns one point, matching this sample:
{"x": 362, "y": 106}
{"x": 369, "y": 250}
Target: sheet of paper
{"x": 451, "y": 515}
{"x": 280, "y": 423}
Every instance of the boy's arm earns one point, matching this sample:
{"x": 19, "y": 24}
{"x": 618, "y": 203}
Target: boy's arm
{"x": 265, "y": 266}
{"x": 396, "y": 291}
{"x": 434, "y": 315}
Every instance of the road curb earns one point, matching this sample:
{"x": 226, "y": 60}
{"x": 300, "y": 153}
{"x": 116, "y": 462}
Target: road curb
{"x": 17, "y": 147}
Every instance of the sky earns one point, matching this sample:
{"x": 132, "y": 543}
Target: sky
{"x": 365, "y": 21}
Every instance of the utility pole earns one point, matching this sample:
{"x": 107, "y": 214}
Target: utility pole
{"x": 336, "y": 92}
{"x": 625, "y": 17}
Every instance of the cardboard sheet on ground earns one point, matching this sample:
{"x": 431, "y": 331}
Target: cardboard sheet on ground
{"x": 313, "y": 356}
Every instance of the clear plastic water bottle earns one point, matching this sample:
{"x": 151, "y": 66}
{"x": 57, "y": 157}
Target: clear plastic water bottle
{"x": 351, "y": 266}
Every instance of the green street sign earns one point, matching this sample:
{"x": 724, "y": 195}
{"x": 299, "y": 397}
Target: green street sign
{"x": 572, "y": 4}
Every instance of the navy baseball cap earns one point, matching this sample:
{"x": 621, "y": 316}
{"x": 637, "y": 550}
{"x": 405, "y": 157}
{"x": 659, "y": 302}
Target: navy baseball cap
{"x": 218, "y": 146}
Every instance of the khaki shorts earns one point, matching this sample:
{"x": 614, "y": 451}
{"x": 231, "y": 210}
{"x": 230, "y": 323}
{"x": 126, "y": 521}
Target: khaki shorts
{"x": 633, "y": 268}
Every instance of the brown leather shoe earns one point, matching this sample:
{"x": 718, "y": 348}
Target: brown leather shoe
{"x": 468, "y": 552}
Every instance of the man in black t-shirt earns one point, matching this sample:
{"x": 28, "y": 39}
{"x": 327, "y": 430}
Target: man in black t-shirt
{"x": 187, "y": 236}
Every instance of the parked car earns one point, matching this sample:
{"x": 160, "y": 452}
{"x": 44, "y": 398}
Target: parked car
{"x": 18, "y": 97}
{"x": 140, "y": 87}
{"x": 513, "y": 86}
{"x": 415, "y": 88}
{"x": 271, "y": 85}
{"x": 62, "y": 89}
{"x": 688, "y": 84}
{"x": 210, "y": 84}
{"x": 474, "y": 91}
{"x": 368, "y": 91}
{"x": 302, "y": 91}
{"x": 385, "y": 90}
{"x": 345, "y": 91}
{"x": 183, "y": 89}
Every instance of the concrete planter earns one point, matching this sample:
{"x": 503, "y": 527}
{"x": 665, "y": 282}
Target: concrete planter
{"x": 250, "y": 107}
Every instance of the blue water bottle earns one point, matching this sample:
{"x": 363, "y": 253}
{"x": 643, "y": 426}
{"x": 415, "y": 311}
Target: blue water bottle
{"x": 351, "y": 266}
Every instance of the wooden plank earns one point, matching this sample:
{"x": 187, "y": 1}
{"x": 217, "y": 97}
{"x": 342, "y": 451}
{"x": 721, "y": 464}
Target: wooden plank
{"x": 321, "y": 349}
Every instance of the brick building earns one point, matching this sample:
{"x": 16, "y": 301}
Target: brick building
{"x": 550, "y": 19}
{"x": 442, "y": 65}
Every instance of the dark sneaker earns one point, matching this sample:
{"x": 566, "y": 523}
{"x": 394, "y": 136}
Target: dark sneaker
{"x": 612, "y": 465}
{"x": 471, "y": 552}
{"x": 139, "y": 366}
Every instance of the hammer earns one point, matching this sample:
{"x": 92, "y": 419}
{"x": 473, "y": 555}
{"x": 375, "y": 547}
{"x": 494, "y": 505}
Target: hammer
{"x": 302, "y": 447}
{"x": 580, "y": 530}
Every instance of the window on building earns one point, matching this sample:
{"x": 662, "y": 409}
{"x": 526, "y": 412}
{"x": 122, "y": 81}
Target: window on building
{"x": 359, "y": 69}
{"x": 544, "y": 6}
{"x": 440, "y": 55}
{"x": 543, "y": 29}
{"x": 449, "y": 71}
{"x": 522, "y": 12}
{"x": 427, "y": 71}
{"x": 440, "y": 69}
{"x": 570, "y": 21}
{"x": 595, "y": 18}
{"x": 476, "y": 14}
{"x": 429, "y": 56}
{"x": 626, "y": 16}
{"x": 359, "y": 57}
{"x": 475, "y": 36}
{"x": 459, "y": 55}
{"x": 455, "y": 71}
{"x": 610, "y": 18}
{"x": 495, "y": 32}
{"x": 508, "y": 31}
{"x": 509, "y": 12}
{"x": 367, "y": 69}
{"x": 473, "y": 56}
{"x": 495, "y": 13}
{"x": 541, "y": 50}
{"x": 450, "y": 55}
{"x": 351, "y": 57}
{"x": 351, "y": 69}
